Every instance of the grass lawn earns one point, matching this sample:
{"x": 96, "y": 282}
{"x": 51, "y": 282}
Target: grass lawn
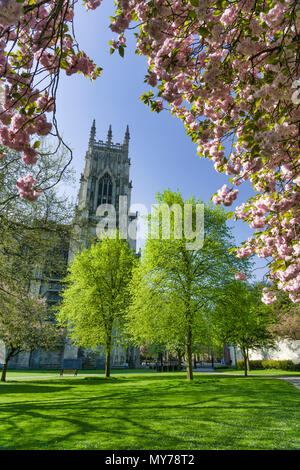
{"x": 148, "y": 411}
{"x": 13, "y": 374}
{"x": 261, "y": 371}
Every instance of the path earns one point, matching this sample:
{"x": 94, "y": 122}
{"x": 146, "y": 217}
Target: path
{"x": 293, "y": 380}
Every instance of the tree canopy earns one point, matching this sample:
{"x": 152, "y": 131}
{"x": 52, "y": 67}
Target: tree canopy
{"x": 96, "y": 295}
{"x": 25, "y": 323}
{"x": 33, "y": 236}
{"x": 242, "y": 319}
{"x": 175, "y": 284}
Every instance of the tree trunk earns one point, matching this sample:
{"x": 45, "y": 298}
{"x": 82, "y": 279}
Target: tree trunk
{"x": 212, "y": 360}
{"x": 188, "y": 351}
{"x": 248, "y": 362}
{"x": 161, "y": 358}
{"x": 195, "y": 362}
{"x": 12, "y": 353}
{"x": 178, "y": 360}
{"x": 235, "y": 358}
{"x": 245, "y": 354}
{"x": 107, "y": 363}
{"x": 4, "y": 368}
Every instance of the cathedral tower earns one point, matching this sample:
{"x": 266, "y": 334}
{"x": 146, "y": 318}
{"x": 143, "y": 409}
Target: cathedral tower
{"x": 104, "y": 180}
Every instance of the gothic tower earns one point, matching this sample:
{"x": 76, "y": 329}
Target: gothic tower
{"x": 104, "y": 180}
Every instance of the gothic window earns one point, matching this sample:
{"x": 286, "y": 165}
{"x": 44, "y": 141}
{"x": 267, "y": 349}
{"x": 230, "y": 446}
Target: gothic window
{"x": 92, "y": 200}
{"x": 105, "y": 190}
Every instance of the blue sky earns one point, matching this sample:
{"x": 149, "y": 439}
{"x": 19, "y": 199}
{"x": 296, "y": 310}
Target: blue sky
{"x": 162, "y": 156}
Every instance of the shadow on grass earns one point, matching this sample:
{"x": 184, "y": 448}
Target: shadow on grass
{"x": 14, "y": 387}
{"x": 156, "y": 411}
{"x": 147, "y": 382}
{"x": 173, "y": 379}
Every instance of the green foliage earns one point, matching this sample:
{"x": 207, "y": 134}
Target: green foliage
{"x": 287, "y": 313}
{"x": 25, "y": 324}
{"x": 254, "y": 365}
{"x": 147, "y": 97}
{"x": 155, "y": 317}
{"x": 241, "y": 318}
{"x": 33, "y": 246}
{"x": 173, "y": 288}
{"x": 33, "y": 234}
{"x": 270, "y": 364}
{"x": 282, "y": 364}
{"x": 96, "y": 296}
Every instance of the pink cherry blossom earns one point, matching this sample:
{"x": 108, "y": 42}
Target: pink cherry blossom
{"x": 10, "y": 12}
{"x": 26, "y": 187}
{"x": 92, "y": 4}
{"x": 268, "y": 297}
{"x": 30, "y": 156}
{"x": 36, "y": 44}
{"x": 241, "y": 276}
{"x": 225, "y": 86}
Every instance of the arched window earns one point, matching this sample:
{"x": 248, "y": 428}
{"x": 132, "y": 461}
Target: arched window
{"x": 105, "y": 190}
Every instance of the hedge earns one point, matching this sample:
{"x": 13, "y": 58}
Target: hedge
{"x": 282, "y": 365}
{"x": 254, "y": 365}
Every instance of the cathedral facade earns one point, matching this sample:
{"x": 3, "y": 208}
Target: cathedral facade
{"x": 104, "y": 181}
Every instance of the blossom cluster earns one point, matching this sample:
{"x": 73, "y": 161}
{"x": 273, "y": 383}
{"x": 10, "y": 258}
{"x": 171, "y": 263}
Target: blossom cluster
{"x": 36, "y": 41}
{"x": 228, "y": 71}
{"x": 241, "y": 276}
{"x": 27, "y": 190}
{"x": 225, "y": 196}
{"x": 268, "y": 296}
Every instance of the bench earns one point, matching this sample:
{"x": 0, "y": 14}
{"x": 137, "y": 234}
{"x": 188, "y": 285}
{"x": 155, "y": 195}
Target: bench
{"x": 70, "y": 365}
{"x": 167, "y": 367}
{"x": 69, "y": 370}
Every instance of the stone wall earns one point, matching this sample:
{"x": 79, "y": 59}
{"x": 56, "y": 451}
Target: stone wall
{"x": 285, "y": 350}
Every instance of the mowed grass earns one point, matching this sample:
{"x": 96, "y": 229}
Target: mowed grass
{"x": 149, "y": 411}
{"x": 261, "y": 372}
{"x": 14, "y": 374}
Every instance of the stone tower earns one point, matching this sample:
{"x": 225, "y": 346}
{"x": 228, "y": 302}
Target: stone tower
{"x": 104, "y": 180}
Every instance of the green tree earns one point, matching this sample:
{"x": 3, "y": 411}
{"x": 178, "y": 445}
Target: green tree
{"x": 206, "y": 342}
{"x": 178, "y": 276}
{"x": 33, "y": 248}
{"x": 154, "y": 317}
{"x": 242, "y": 319}
{"x": 25, "y": 324}
{"x": 97, "y": 294}
{"x": 33, "y": 233}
